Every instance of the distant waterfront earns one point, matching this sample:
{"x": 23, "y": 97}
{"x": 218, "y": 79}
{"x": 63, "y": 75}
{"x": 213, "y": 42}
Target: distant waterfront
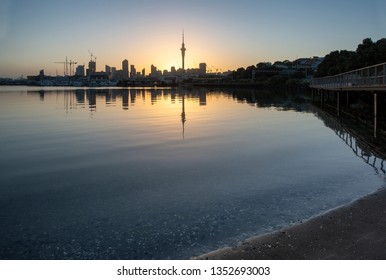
{"x": 165, "y": 173}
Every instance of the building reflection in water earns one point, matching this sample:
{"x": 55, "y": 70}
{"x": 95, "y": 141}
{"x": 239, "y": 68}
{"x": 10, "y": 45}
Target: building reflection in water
{"x": 133, "y": 94}
{"x": 202, "y": 98}
{"x": 173, "y": 97}
{"x": 91, "y": 98}
{"x": 360, "y": 141}
{"x": 125, "y": 99}
{"x": 41, "y": 95}
{"x": 153, "y": 96}
{"x": 111, "y": 97}
{"x": 79, "y": 96}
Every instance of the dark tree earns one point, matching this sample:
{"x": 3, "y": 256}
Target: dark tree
{"x": 367, "y": 53}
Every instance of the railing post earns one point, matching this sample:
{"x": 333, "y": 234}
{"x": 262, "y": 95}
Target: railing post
{"x": 384, "y": 74}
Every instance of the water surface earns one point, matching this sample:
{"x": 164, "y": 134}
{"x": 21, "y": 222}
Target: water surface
{"x": 163, "y": 173}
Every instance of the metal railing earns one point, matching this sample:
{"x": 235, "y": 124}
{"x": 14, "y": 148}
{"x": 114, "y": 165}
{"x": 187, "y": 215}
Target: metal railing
{"x": 367, "y": 77}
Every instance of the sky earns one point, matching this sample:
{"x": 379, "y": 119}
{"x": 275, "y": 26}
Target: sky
{"x": 224, "y": 34}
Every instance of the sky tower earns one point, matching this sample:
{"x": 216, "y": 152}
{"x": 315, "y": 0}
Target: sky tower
{"x": 183, "y": 49}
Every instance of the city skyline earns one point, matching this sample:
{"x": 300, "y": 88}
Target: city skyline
{"x": 224, "y": 34}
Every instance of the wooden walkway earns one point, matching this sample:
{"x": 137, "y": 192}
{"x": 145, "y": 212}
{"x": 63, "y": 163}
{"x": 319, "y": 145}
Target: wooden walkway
{"x": 372, "y": 78}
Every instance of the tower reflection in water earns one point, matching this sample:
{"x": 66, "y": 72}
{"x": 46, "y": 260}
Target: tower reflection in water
{"x": 359, "y": 141}
{"x": 92, "y": 98}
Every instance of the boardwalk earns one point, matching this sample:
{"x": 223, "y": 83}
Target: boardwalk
{"x": 372, "y": 78}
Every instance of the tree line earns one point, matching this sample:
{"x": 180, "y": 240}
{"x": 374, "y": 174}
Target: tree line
{"x": 367, "y": 53}
{"x": 288, "y": 73}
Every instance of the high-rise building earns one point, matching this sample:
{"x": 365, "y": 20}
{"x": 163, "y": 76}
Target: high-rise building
{"x": 108, "y": 71}
{"x": 183, "y": 49}
{"x": 133, "y": 71}
{"x": 113, "y": 72}
{"x": 153, "y": 70}
{"x": 79, "y": 71}
{"x": 125, "y": 69}
{"x": 91, "y": 67}
{"x": 202, "y": 68}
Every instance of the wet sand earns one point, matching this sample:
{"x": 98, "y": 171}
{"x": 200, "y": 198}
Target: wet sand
{"x": 351, "y": 232}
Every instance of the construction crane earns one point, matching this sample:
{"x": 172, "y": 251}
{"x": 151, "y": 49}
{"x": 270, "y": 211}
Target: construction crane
{"x": 92, "y": 55}
{"x": 72, "y": 69}
{"x": 65, "y": 66}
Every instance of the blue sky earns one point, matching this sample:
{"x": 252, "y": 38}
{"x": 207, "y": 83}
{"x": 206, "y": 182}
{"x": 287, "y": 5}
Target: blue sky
{"x": 224, "y": 34}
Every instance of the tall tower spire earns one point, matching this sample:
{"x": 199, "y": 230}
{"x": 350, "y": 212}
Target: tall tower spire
{"x": 183, "y": 49}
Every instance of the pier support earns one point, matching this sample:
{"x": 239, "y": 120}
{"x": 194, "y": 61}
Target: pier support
{"x": 338, "y": 103}
{"x": 312, "y": 95}
{"x": 375, "y": 115}
{"x": 347, "y": 100}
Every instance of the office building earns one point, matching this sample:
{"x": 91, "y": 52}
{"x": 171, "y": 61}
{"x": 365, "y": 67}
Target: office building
{"x": 108, "y": 71}
{"x": 91, "y": 67}
{"x": 153, "y": 71}
{"x": 133, "y": 71}
{"x": 125, "y": 69}
{"x": 202, "y": 68}
{"x": 79, "y": 71}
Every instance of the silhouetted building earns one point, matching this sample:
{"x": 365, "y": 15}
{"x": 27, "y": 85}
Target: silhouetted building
{"x": 91, "y": 67}
{"x": 79, "y": 71}
{"x": 202, "y": 68}
{"x": 133, "y": 71}
{"x": 39, "y": 77}
{"x": 153, "y": 71}
{"x": 143, "y": 72}
{"x": 108, "y": 70}
{"x": 99, "y": 76}
{"x": 125, "y": 69}
{"x": 118, "y": 75}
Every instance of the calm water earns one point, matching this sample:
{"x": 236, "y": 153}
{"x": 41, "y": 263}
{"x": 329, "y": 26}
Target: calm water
{"x": 166, "y": 173}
